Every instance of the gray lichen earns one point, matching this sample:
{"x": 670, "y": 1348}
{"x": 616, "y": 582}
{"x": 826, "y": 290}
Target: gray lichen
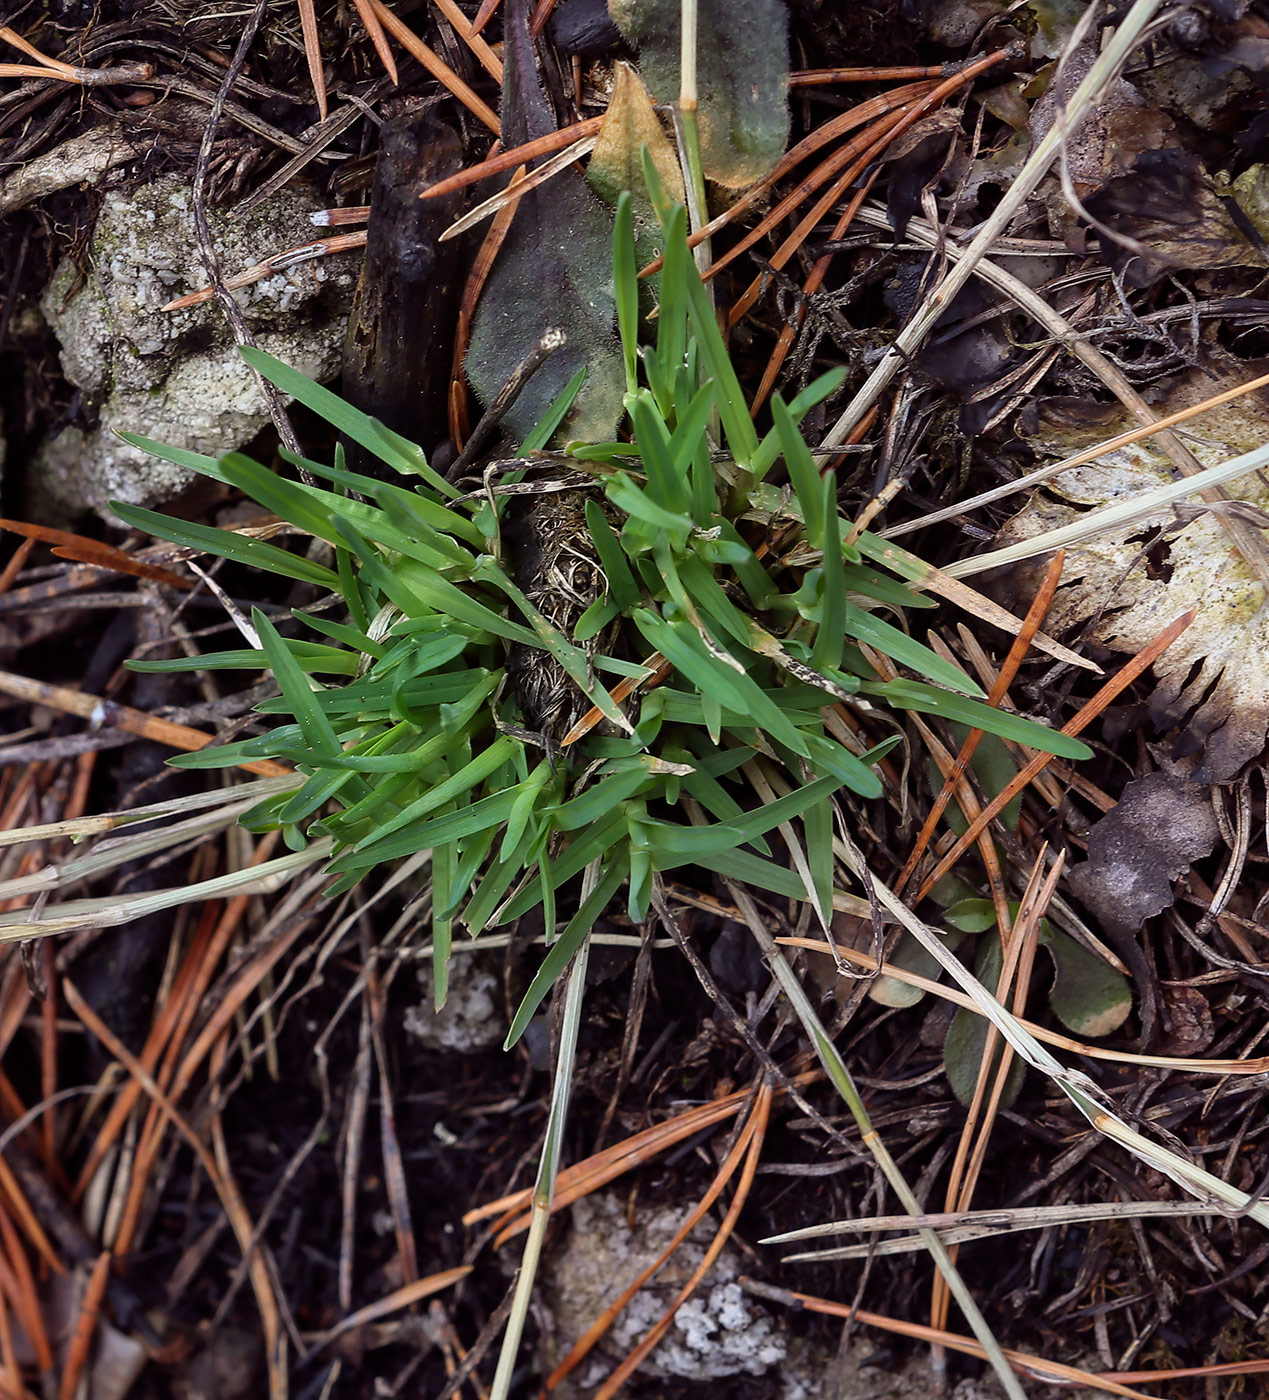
{"x": 176, "y": 376}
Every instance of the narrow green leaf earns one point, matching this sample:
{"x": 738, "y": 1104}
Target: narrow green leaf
{"x": 803, "y": 473}
{"x": 442, "y": 922}
{"x": 286, "y": 498}
{"x": 667, "y": 484}
{"x": 585, "y": 847}
{"x": 815, "y": 392}
{"x": 742, "y": 440}
{"x": 314, "y": 725}
{"x": 893, "y": 642}
{"x": 621, "y": 584}
{"x": 545, "y": 427}
{"x": 717, "y": 682}
{"x": 398, "y": 452}
{"x": 227, "y": 545}
{"x": 527, "y": 799}
{"x": 912, "y": 695}
{"x": 604, "y": 796}
{"x": 562, "y": 950}
{"x": 626, "y": 285}
{"x": 830, "y": 637}
{"x": 631, "y": 499}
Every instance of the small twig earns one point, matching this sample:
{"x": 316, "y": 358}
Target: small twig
{"x": 551, "y": 341}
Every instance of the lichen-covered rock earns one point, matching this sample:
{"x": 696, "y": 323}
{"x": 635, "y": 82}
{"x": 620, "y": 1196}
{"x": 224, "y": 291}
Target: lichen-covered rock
{"x": 176, "y": 376}
{"x": 471, "y": 1018}
{"x": 721, "y": 1331}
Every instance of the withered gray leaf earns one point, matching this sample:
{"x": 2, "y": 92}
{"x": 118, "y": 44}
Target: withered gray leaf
{"x": 742, "y": 58}
{"x": 1160, "y": 826}
{"x": 555, "y": 270}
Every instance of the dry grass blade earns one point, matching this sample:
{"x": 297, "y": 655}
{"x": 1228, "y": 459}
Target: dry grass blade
{"x": 1038, "y": 1366}
{"x": 503, "y": 161}
{"x": 601, "y": 1325}
{"x": 520, "y": 185}
{"x": 1041, "y": 474}
{"x": 1076, "y": 725}
{"x": 960, "y": 1227}
{"x": 1207, "y": 483}
{"x": 753, "y": 1151}
{"x": 1114, "y": 54}
{"x": 77, "y": 828}
{"x": 868, "y": 964}
{"x": 925, "y": 578}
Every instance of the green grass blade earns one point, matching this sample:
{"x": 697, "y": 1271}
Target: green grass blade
{"x": 317, "y": 730}
{"x": 626, "y": 288}
{"x": 562, "y": 950}
{"x": 912, "y": 695}
{"x": 667, "y": 484}
{"x": 226, "y": 544}
{"x": 803, "y": 473}
{"x": 398, "y": 452}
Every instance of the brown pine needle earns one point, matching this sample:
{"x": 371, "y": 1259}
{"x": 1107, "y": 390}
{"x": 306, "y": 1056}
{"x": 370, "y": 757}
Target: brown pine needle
{"x": 1080, "y": 721}
{"x": 540, "y": 16}
{"x": 862, "y": 114}
{"x": 279, "y": 262}
{"x": 1021, "y": 645}
{"x": 82, "y": 550}
{"x": 45, "y": 67}
{"x": 636, "y": 1358}
{"x": 396, "y": 1300}
{"x": 601, "y": 1325}
{"x": 436, "y": 66}
{"x": 85, "y": 1326}
{"x": 518, "y": 155}
{"x": 488, "y": 8}
{"x": 313, "y": 53}
{"x": 878, "y": 140}
{"x": 378, "y": 38}
{"x": 495, "y": 237}
{"x": 467, "y": 32}
{"x": 1039, "y": 1366}
{"x": 813, "y": 77}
